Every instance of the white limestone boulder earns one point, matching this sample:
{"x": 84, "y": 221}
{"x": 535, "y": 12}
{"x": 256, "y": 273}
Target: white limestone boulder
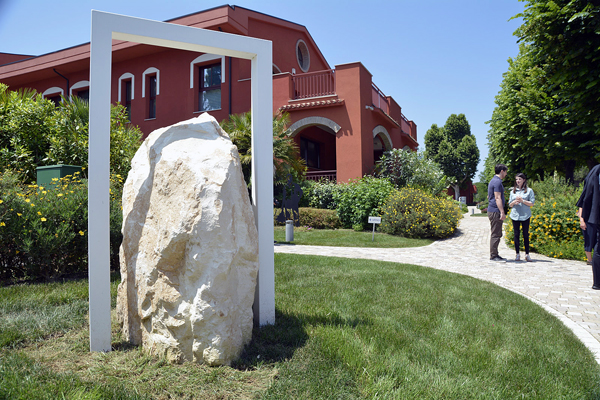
{"x": 189, "y": 257}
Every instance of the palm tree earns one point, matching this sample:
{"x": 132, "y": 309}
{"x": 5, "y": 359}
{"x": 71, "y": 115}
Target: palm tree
{"x": 286, "y": 155}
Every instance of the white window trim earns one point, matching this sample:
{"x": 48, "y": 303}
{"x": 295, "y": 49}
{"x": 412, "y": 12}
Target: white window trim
{"x": 150, "y": 71}
{"x": 307, "y": 62}
{"x": 123, "y": 77}
{"x": 53, "y": 90}
{"x": 78, "y": 85}
{"x": 204, "y": 58}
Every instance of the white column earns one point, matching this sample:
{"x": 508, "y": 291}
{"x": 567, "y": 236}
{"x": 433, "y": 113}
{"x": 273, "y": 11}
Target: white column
{"x": 98, "y": 187}
{"x": 262, "y": 182}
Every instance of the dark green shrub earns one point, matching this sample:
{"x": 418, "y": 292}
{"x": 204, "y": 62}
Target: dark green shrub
{"x": 306, "y": 187}
{"x": 325, "y": 194}
{"x": 362, "y": 198}
{"x": 319, "y": 219}
{"x": 416, "y": 214}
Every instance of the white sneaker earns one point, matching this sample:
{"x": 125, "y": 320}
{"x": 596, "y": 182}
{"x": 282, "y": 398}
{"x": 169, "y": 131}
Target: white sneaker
{"x": 528, "y": 258}
{"x": 518, "y": 257}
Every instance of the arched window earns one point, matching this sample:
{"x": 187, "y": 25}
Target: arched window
{"x": 126, "y": 91}
{"x": 53, "y": 94}
{"x": 151, "y": 80}
{"x": 81, "y": 89}
{"x": 209, "y": 75}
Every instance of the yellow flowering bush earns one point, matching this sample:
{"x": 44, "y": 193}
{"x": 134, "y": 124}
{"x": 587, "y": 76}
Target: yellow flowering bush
{"x": 413, "y": 213}
{"x": 554, "y": 227}
{"x": 553, "y": 232}
{"x": 43, "y": 230}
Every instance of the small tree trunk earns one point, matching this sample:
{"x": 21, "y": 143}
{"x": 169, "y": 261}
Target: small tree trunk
{"x": 569, "y": 166}
{"x": 456, "y": 188}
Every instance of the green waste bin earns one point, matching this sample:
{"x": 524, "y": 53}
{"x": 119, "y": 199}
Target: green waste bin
{"x": 47, "y": 173}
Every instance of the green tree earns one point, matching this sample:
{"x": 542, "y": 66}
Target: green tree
{"x": 33, "y": 133}
{"x": 528, "y": 127}
{"x": 564, "y": 36}
{"x": 411, "y": 168}
{"x": 454, "y": 149}
{"x": 286, "y": 155}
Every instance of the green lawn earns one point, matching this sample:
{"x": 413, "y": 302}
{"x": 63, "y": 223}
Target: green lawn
{"x": 345, "y": 329}
{"x": 347, "y": 238}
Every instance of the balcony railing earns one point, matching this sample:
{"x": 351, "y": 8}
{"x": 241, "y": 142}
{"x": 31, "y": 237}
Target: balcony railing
{"x": 330, "y": 175}
{"x": 404, "y": 125}
{"x": 380, "y": 100}
{"x": 314, "y": 84}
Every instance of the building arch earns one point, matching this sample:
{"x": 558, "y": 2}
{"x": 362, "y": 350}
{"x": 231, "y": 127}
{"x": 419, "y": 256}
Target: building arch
{"x": 324, "y": 123}
{"x": 151, "y": 71}
{"x": 384, "y": 136}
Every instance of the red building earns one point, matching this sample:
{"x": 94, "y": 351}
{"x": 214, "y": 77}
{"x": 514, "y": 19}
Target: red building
{"x": 340, "y": 119}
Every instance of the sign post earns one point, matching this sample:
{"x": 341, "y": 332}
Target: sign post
{"x": 374, "y": 221}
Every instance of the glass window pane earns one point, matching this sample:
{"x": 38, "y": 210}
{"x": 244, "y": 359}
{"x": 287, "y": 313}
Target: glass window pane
{"x": 210, "y": 100}
{"x": 212, "y": 76}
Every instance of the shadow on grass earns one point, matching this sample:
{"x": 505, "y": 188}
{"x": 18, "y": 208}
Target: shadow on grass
{"x": 279, "y": 342}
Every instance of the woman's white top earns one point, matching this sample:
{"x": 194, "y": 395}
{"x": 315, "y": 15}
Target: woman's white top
{"x": 521, "y": 212}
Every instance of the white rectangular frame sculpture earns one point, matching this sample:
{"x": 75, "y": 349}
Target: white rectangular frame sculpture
{"x": 107, "y": 26}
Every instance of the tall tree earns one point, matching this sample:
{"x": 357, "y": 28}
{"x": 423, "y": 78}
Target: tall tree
{"x": 563, "y": 36}
{"x": 528, "y": 127}
{"x": 454, "y": 149}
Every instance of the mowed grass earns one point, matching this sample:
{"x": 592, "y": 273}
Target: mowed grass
{"x": 345, "y": 329}
{"x": 347, "y": 238}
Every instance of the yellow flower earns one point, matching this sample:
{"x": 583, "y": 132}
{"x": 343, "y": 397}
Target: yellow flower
{"x": 1, "y": 201}
{"x": 2, "y": 224}
{"x": 27, "y": 200}
{"x": 81, "y": 233}
{"x": 19, "y": 214}
{"x": 39, "y": 213}
{"x": 59, "y": 195}
{"x": 43, "y": 219}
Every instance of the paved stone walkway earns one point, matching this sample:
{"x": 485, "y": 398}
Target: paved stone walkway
{"x": 562, "y": 287}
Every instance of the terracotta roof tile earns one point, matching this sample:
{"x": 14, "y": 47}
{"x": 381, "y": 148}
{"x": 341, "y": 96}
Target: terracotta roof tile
{"x": 312, "y": 104}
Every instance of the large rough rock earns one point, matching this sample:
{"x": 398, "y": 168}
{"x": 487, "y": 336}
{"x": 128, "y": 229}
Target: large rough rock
{"x": 189, "y": 257}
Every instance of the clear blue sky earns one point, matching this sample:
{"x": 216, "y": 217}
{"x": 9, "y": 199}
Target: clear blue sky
{"x": 435, "y": 57}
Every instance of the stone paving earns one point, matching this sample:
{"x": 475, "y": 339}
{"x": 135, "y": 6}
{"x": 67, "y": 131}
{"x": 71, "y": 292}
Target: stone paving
{"x": 562, "y": 287}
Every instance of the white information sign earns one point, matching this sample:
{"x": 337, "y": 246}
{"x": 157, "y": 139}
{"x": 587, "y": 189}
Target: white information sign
{"x": 374, "y": 220}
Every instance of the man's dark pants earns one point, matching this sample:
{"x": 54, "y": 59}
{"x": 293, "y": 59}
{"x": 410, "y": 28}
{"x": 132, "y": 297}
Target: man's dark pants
{"x": 496, "y": 228}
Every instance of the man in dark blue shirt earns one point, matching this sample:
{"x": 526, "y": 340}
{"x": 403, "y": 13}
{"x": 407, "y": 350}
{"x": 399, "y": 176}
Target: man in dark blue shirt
{"x": 496, "y": 213}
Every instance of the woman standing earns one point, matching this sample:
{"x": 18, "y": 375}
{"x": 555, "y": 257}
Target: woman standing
{"x": 521, "y": 200}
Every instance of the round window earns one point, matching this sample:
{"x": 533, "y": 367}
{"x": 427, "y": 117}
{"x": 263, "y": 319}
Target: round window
{"x": 302, "y": 55}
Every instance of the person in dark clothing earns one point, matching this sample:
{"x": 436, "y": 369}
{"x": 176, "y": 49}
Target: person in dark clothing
{"x": 496, "y": 212}
{"x": 589, "y": 203}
